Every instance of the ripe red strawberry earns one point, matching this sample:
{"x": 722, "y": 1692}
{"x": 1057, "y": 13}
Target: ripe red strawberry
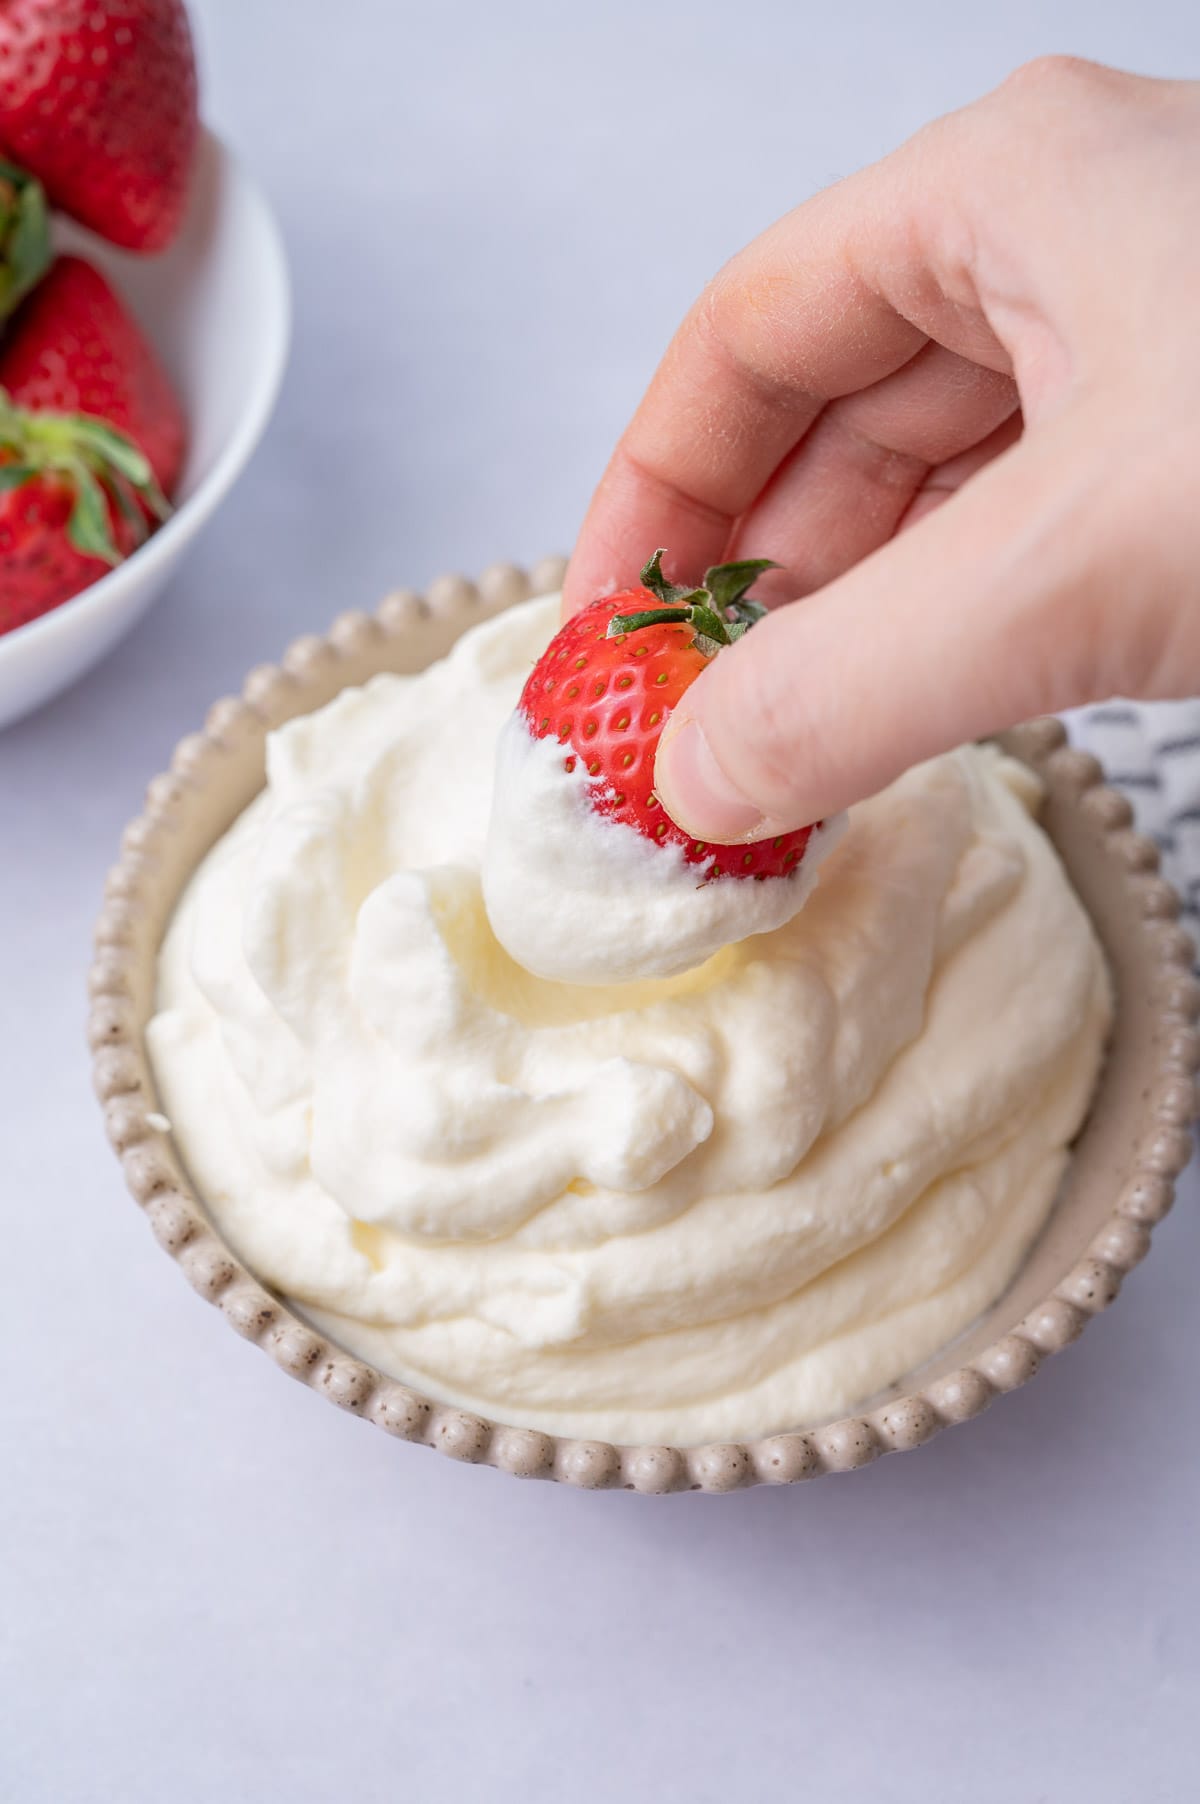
{"x": 75, "y": 498}
{"x": 607, "y": 682}
{"x": 91, "y": 434}
{"x": 74, "y": 348}
{"x": 98, "y": 100}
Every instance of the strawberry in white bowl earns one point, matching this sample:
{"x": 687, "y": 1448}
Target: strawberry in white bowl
{"x": 91, "y": 441}
{"x": 98, "y": 102}
{"x": 148, "y": 377}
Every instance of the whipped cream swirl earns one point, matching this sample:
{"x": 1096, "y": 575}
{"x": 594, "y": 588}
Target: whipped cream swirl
{"x": 728, "y": 1164}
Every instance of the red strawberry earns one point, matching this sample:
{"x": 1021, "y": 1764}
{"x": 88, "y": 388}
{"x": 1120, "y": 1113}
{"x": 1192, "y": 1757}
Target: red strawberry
{"x": 75, "y": 497}
{"x": 90, "y": 435}
{"x": 73, "y": 348}
{"x": 607, "y": 682}
{"x": 98, "y": 100}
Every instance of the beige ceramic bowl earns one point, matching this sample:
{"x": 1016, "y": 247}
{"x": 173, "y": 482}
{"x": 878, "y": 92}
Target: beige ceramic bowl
{"x": 1135, "y": 1142}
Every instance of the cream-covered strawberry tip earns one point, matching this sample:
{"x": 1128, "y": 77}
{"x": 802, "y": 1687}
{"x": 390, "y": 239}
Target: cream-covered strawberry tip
{"x": 577, "y": 832}
{"x": 576, "y": 897}
{"x": 610, "y": 679}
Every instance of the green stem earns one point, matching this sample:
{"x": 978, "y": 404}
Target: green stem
{"x": 719, "y": 609}
{"x": 25, "y": 252}
{"x": 632, "y": 623}
{"x": 99, "y": 463}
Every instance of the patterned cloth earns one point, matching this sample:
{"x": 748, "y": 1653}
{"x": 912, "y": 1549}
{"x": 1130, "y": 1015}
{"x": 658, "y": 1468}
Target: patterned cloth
{"x": 1151, "y": 751}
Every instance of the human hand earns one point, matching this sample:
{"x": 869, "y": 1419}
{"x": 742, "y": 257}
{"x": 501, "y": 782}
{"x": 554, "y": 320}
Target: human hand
{"x": 991, "y": 337}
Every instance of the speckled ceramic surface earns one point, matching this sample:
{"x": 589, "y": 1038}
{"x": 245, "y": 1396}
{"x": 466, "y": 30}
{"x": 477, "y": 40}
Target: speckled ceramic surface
{"x": 1136, "y": 1140}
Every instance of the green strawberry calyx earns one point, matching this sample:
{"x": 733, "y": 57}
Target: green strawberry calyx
{"x": 719, "y": 608}
{"x": 25, "y": 252}
{"x": 105, "y": 471}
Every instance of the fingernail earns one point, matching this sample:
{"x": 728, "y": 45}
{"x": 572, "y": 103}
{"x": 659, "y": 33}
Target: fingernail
{"x": 697, "y": 794}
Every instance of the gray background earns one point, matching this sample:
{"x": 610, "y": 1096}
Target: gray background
{"x": 214, "y": 1585}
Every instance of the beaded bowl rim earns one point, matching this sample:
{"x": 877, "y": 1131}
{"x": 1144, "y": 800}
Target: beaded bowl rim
{"x": 143, "y": 886}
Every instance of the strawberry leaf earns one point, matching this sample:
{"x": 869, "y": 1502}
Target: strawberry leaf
{"x": 89, "y": 528}
{"x": 708, "y": 625}
{"x": 719, "y": 609}
{"x": 115, "y": 449}
{"x": 154, "y": 499}
{"x": 112, "y": 455}
{"x": 727, "y": 583}
{"x": 746, "y": 612}
{"x": 125, "y": 500}
{"x": 652, "y": 578}
{"x": 632, "y": 623}
{"x": 25, "y": 252}
{"x": 107, "y": 472}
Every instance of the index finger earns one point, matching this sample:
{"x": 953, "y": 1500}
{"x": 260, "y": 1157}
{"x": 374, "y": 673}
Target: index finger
{"x": 834, "y": 297}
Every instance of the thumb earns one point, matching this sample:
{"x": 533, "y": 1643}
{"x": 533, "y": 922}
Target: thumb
{"x": 994, "y": 608}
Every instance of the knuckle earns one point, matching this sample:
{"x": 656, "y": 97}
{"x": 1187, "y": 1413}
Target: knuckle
{"x": 718, "y": 319}
{"x": 745, "y": 320}
{"x": 1054, "y": 74}
{"x": 1060, "y": 106}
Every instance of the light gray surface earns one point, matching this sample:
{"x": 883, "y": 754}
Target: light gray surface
{"x": 214, "y": 1585}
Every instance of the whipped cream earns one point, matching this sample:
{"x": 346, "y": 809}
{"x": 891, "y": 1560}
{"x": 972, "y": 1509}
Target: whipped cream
{"x": 731, "y": 1187}
{"x": 575, "y": 896}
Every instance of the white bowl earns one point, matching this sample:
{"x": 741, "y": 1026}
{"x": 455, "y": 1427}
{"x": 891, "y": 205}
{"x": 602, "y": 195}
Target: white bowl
{"x": 217, "y": 308}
